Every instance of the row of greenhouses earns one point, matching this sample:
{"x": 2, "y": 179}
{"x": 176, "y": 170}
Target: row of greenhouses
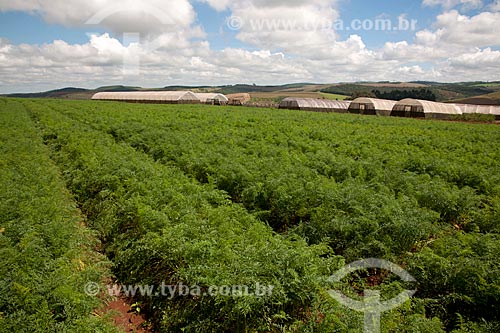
{"x": 405, "y": 108}
{"x": 163, "y": 97}
{"x": 411, "y": 108}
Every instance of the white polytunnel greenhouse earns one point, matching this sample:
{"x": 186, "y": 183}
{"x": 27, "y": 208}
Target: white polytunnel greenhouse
{"x": 160, "y": 97}
{"x": 480, "y": 109}
{"x": 212, "y": 98}
{"x": 416, "y": 108}
{"x": 312, "y": 104}
{"x": 371, "y": 106}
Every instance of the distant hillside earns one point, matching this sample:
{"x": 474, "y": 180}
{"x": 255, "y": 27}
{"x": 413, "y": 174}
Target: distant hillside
{"x": 197, "y": 88}
{"x": 465, "y": 92}
{"x": 73, "y": 93}
{"x": 118, "y": 88}
{"x": 461, "y": 90}
{"x": 278, "y": 96}
{"x": 241, "y": 88}
{"x": 79, "y": 93}
{"x": 59, "y": 93}
{"x": 427, "y": 83}
{"x": 245, "y": 88}
{"x": 488, "y": 99}
{"x": 442, "y": 91}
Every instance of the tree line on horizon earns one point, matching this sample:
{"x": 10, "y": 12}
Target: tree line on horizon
{"x": 397, "y": 95}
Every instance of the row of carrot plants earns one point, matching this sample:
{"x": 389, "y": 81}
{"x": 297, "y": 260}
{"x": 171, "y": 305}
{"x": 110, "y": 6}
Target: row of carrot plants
{"x": 46, "y": 253}
{"x": 158, "y": 226}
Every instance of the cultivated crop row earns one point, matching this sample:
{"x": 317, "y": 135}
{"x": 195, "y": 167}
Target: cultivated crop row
{"x": 159, "y": 226}
{"x": 46, "y": 254}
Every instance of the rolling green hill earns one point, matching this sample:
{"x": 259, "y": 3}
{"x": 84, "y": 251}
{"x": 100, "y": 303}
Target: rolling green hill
{"x": 488, "y": 99}
{"x": 464, "y": 92}
{"x": 442, "y": 91}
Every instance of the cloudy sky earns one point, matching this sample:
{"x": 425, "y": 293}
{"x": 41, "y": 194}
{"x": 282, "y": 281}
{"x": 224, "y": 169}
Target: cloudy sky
{"x": 47, "y": 44}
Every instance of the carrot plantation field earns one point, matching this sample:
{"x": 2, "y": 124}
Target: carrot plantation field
{"x": 227, "y": 196}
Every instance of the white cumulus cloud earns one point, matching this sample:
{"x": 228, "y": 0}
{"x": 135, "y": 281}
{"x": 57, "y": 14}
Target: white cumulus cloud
{"x": 146, "y": 16}
{"x": 279, "y": 24}
{"x": 495, "y": 6}
{"x": 461, "y": 30}
{"x": 448, "y": 4}
{"x": 284, "y": 42}
{"x": 486, "y": 58}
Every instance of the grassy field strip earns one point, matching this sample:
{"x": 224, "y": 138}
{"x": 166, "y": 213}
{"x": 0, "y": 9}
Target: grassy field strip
{"x": 335, "y": 96}
{"x": 46, "y": 254}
